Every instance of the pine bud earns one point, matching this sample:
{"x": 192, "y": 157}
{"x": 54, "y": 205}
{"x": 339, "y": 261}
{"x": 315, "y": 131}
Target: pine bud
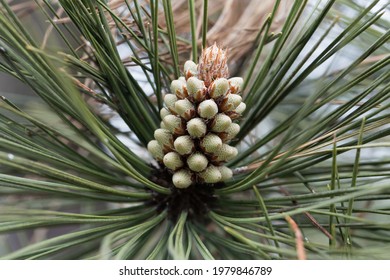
{"x": 197, "y": 121}
{"x": 234, "y": 99}
{"x": 185, "y": 109}
{"x": 226, "y": 172}
{"x": 196, "y": 127}
{"x": 236, "y": 84}
{"x": 212, "y": 64}
{"x": 190, "y": 69}
{"x": 211, "y": 143}
{"x": 196, "y": 89}
{"x": 184, "y": 145}
{"x": 208, "y": 109}
{"x": 164, "y": 138}
{"x": 174, "y": 124}
{"x": 182, "y": 179}
{"x": 170, "y": 100}
{"x": 178, "y": 87}
{"x": 230, "y": 132}
{"x": 173, "y": 161}
{"x": 225, "y": 153}
{"x": 211, "y": 175}
{"x": 230, "y": 102}
{"x": 197, "y": 162}
{"x": 162, "y": 125}
{"x": 155, "y": 150}
{"x": 220, "y": 123}
{"x": 231, "y": 152}
{"x": 219, "y": 88}
{"x": 240, "y": 108}
{"x": 164, "y": 112}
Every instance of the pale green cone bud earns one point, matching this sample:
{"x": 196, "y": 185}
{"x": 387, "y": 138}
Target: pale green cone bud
{"x": 162, "y": 125}
{"x": 226, "y": 153}
{"x": 226, "y": 172}
{"x": 181, "y": 78}
{"x": 190, "y": 69}
{"x": 190, "y": 65}
{"x": 182, "y": 179}
{"x": 231, "y": 152}
{"x": 173, "y": 161}
{"x": 185, "y": 109}
{"x": 196, "y": 127}
{"x": 211, "y": 143}
{"x": 155, "y": 150}
{"x": 196, "y": 89}
{"x": 240, "y": 108}
{"x": 236, "y": 84}
{"x": 220, "y": 123}
{"x": 219, "y": 88}
{"x": 178, "y": 87}
{"x": 237, "y": 112}
{"x": 230, "y": 132}
{"x": 208, "y": 109}
{"x": 174, "y": 124}
{"x": 234, "y": 99}
{"x": 184, "y": 145}
{"x": 164, "y": 138}
{"x": 197, "y": 162}
{"x": 169, "y": 100}
{"x": 230, "y": 102}
{"x": 164, "y": 112}
{"x": 211, "y": 175}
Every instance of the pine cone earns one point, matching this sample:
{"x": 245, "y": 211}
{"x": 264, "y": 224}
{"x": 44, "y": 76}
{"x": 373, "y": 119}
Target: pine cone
{"x": 198, "y": 122}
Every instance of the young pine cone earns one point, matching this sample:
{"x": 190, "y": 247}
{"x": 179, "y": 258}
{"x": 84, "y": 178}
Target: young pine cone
{"x": 198, "y": 122}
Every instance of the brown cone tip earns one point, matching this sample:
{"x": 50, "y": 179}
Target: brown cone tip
{"x": 213, "y": 64}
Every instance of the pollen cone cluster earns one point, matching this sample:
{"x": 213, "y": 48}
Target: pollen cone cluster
{"x": 199, "y": 121}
